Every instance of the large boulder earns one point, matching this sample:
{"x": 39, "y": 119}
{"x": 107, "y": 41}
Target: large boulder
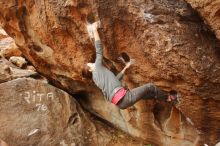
{"x": 169, "y": 41}
{"x": 36, "y": 113}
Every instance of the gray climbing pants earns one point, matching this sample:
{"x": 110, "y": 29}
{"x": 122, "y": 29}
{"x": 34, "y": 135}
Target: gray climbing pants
{"x": 147, "y": 91}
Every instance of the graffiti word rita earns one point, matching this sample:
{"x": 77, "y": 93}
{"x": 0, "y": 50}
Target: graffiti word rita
{"x": 33, "y": 96}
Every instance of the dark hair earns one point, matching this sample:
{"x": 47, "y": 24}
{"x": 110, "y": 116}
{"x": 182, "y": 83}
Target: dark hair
{"x": 86, "y": 73}
{"x": 173, "y": 92}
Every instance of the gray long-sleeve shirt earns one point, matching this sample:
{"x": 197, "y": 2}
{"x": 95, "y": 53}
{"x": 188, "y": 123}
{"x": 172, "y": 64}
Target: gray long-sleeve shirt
{"x": 103, "y": 77}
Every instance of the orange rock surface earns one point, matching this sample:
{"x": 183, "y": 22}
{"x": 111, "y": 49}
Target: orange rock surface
{"x": 170, "y": 43}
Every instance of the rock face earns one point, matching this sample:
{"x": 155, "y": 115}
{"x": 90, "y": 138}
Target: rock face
{"x": 36, "y": 113}
{"x": 171, "y": 46}
{"x": 7, "y": 45}
{"x": 38, "y": 95}
{"x": 8, "y": 71}
{"x": 210, "y": 11}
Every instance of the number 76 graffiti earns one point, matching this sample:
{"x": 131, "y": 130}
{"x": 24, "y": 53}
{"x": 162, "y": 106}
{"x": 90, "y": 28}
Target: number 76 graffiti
{"x": 38, "y": 98}
{"x": 41, "y": 107}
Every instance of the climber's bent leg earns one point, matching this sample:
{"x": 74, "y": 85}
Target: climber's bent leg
{"x": 147, "y": 91}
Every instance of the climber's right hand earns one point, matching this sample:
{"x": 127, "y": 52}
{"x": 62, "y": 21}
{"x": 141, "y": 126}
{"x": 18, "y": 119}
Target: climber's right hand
{"x": 128, "y": 64}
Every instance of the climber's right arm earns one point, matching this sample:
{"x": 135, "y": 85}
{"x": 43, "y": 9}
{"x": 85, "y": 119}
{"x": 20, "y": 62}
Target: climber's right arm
{"x": 99, "y": 48}
{"x": 99, "y": 52}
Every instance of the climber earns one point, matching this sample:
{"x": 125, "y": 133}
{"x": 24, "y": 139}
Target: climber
{"x": 110, "y": 84}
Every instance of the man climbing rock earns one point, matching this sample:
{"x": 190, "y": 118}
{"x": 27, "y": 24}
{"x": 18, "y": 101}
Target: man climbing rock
{"x": 110, "y": 84}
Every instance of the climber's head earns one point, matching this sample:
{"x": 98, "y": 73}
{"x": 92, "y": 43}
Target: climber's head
{"x": 173, "y": 97}
{"x": 87, "y": 70}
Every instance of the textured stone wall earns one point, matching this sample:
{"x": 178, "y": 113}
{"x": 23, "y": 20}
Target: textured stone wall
{"x": 210, "y": 12}
{"x": 171, "y": 45}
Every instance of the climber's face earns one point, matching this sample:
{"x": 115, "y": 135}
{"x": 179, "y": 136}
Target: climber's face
{"x": 91, "y": 66}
